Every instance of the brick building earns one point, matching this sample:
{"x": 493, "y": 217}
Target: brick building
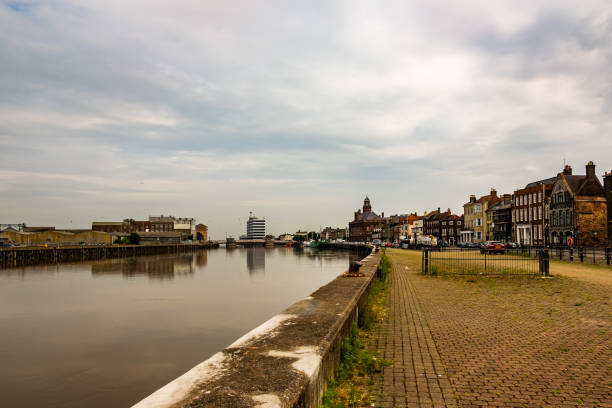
{"x": 103, "y": 226}
{"x": 530, "y": 215}
{"x": 500, "y": 215}
{"x": 445, "y": 226}
{"x": 578, "y": 209}
{"x": 366, "y": 224}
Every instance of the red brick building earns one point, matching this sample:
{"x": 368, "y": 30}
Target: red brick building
{"x": 365, "y": 224}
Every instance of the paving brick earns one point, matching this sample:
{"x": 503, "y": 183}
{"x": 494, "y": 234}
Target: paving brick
{"x": 500, "y": 342}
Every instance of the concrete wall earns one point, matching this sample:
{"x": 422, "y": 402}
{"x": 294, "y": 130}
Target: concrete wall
{"x": 285, "y": 362}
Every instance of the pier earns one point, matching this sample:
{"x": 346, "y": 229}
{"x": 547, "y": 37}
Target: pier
{"x": 21, "y": 256}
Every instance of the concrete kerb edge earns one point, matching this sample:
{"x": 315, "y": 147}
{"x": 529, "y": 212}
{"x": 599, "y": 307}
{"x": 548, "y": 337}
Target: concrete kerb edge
{"x": 302, "y": 364}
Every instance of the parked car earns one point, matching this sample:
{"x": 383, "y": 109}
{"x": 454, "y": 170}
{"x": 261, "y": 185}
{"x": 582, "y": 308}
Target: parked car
{"x": 492, "y": 247}
{"x": 388, "y": 244}
{"x": 511, "y": 245}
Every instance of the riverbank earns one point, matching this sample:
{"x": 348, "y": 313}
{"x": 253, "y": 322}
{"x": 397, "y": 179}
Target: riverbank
{"x": 39, "y": 255}
{"x": 284, "y": 362}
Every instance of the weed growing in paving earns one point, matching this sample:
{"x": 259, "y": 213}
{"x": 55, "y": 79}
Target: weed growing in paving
{"x": 357, "y": 363}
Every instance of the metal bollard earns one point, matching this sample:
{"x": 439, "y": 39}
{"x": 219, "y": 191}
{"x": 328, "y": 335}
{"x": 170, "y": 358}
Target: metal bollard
{"x": 608, "y": 250}
{"x": 581, "y": 254}
{"x": 425, "y": 264}
{"x": 544, "y": 258}
{"x": 571, "y": 256}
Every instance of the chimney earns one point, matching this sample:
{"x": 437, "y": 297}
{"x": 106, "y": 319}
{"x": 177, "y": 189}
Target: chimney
{"x": 507, "y": 198}
{"x": 590, "y": 170}
{"x": 472, "y": 198}
{"x": 493, "y": 192}
{"x": 567, "y": 170}
{"x": 382, "y": 215}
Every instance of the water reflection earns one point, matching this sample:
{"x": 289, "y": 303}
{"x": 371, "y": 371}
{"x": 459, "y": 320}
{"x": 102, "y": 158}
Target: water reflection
{"x": 256, "y": 262}
{"x": 158, "y": 267}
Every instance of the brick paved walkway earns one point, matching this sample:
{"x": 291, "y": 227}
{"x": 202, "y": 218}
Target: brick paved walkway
{"x": 504, "y": 342}
{"x": 417, "y": 377}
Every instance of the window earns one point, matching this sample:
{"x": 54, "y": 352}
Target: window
{"x": 539, "y": 198}
{"x": 560, "y": 197}
{"x": 568, "y": 217}
{"x": 539, "y": 213}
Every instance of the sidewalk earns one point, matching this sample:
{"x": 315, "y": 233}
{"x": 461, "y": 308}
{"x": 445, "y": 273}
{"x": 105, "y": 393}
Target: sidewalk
{"x": 493, "y": 342}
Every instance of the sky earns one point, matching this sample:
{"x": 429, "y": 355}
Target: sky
{"x": 293, "y": 110}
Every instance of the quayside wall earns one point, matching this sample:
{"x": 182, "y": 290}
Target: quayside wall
{"x": 22, "y": 256}
{"x": 285, "y": 362}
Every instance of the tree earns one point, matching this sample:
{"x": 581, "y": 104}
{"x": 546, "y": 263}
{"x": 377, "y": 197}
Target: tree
{"x": 299, "y": 238}
{"x": 313, "y": 235}
{"x": 134, "y": 238}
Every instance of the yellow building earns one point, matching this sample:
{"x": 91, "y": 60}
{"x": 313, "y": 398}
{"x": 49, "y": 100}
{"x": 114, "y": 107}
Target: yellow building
{"x": 476, "y": 224}
{"x": 201, "y": 232}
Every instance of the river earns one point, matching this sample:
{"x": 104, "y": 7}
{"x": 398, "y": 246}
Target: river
{"x": 108, "y": 333}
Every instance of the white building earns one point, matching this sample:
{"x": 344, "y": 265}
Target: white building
{"x": 185, "y": 224}
{"x": 256, "y": 227}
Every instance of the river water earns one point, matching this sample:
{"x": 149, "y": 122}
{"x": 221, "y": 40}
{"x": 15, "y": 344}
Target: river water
{"x": 108, "y": 333}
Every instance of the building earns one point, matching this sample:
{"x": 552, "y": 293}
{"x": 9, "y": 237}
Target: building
{"x": 417, "y": 229}
{"x": 330, "y": 233}
{"x": 530, "y": 212}
{"x": 163, "y": 237}
{"x": 578, "y": 209}
{"x": 608, "y": 190}
{"x": 475, "y": 217}
{"x": 256, "y": 227}
{"x": 366, "y": 224}
{"x": 185, "y": 225}
{"x": 431, "y": 224}
{"x": 137, "y": 226}
{"x": 161, "y": 223}
{"x": 301, "y": 234}
{"x": 201, "y": 232}
{"x": 501, "y": 219}
{"x": 452, "y": 224}
{"x": 445, "y": 226}
{"x": 110, "y": 226}
{"x": 285, "y": 237}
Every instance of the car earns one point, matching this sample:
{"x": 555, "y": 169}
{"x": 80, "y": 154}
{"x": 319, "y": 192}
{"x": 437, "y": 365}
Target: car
{"x": 492, "y": 247}
{"x": 511, "y": 245}
{"x": 388, "y": 244}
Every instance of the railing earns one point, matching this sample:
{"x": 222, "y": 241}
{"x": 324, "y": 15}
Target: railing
{"x": 460, "y": 261}
{"x": 594, "y": 255}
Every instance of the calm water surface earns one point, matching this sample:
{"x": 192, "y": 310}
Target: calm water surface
{"x": 108, "y": 333}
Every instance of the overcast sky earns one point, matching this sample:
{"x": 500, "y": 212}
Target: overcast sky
{"x": 294, "y": 110}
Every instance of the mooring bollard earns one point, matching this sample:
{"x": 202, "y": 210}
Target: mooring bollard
{"x": 354, "y": 266}
{"x": 544, "y": 258}
{"x": 581, "y": 254}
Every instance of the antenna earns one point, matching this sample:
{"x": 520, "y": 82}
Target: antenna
{"x": 563, "y": 161}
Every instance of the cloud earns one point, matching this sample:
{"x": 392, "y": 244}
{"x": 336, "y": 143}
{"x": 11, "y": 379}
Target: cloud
{"x": 293, "y": 110}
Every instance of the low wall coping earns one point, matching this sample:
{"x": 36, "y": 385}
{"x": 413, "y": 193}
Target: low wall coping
{"x": 285, "y": 362}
